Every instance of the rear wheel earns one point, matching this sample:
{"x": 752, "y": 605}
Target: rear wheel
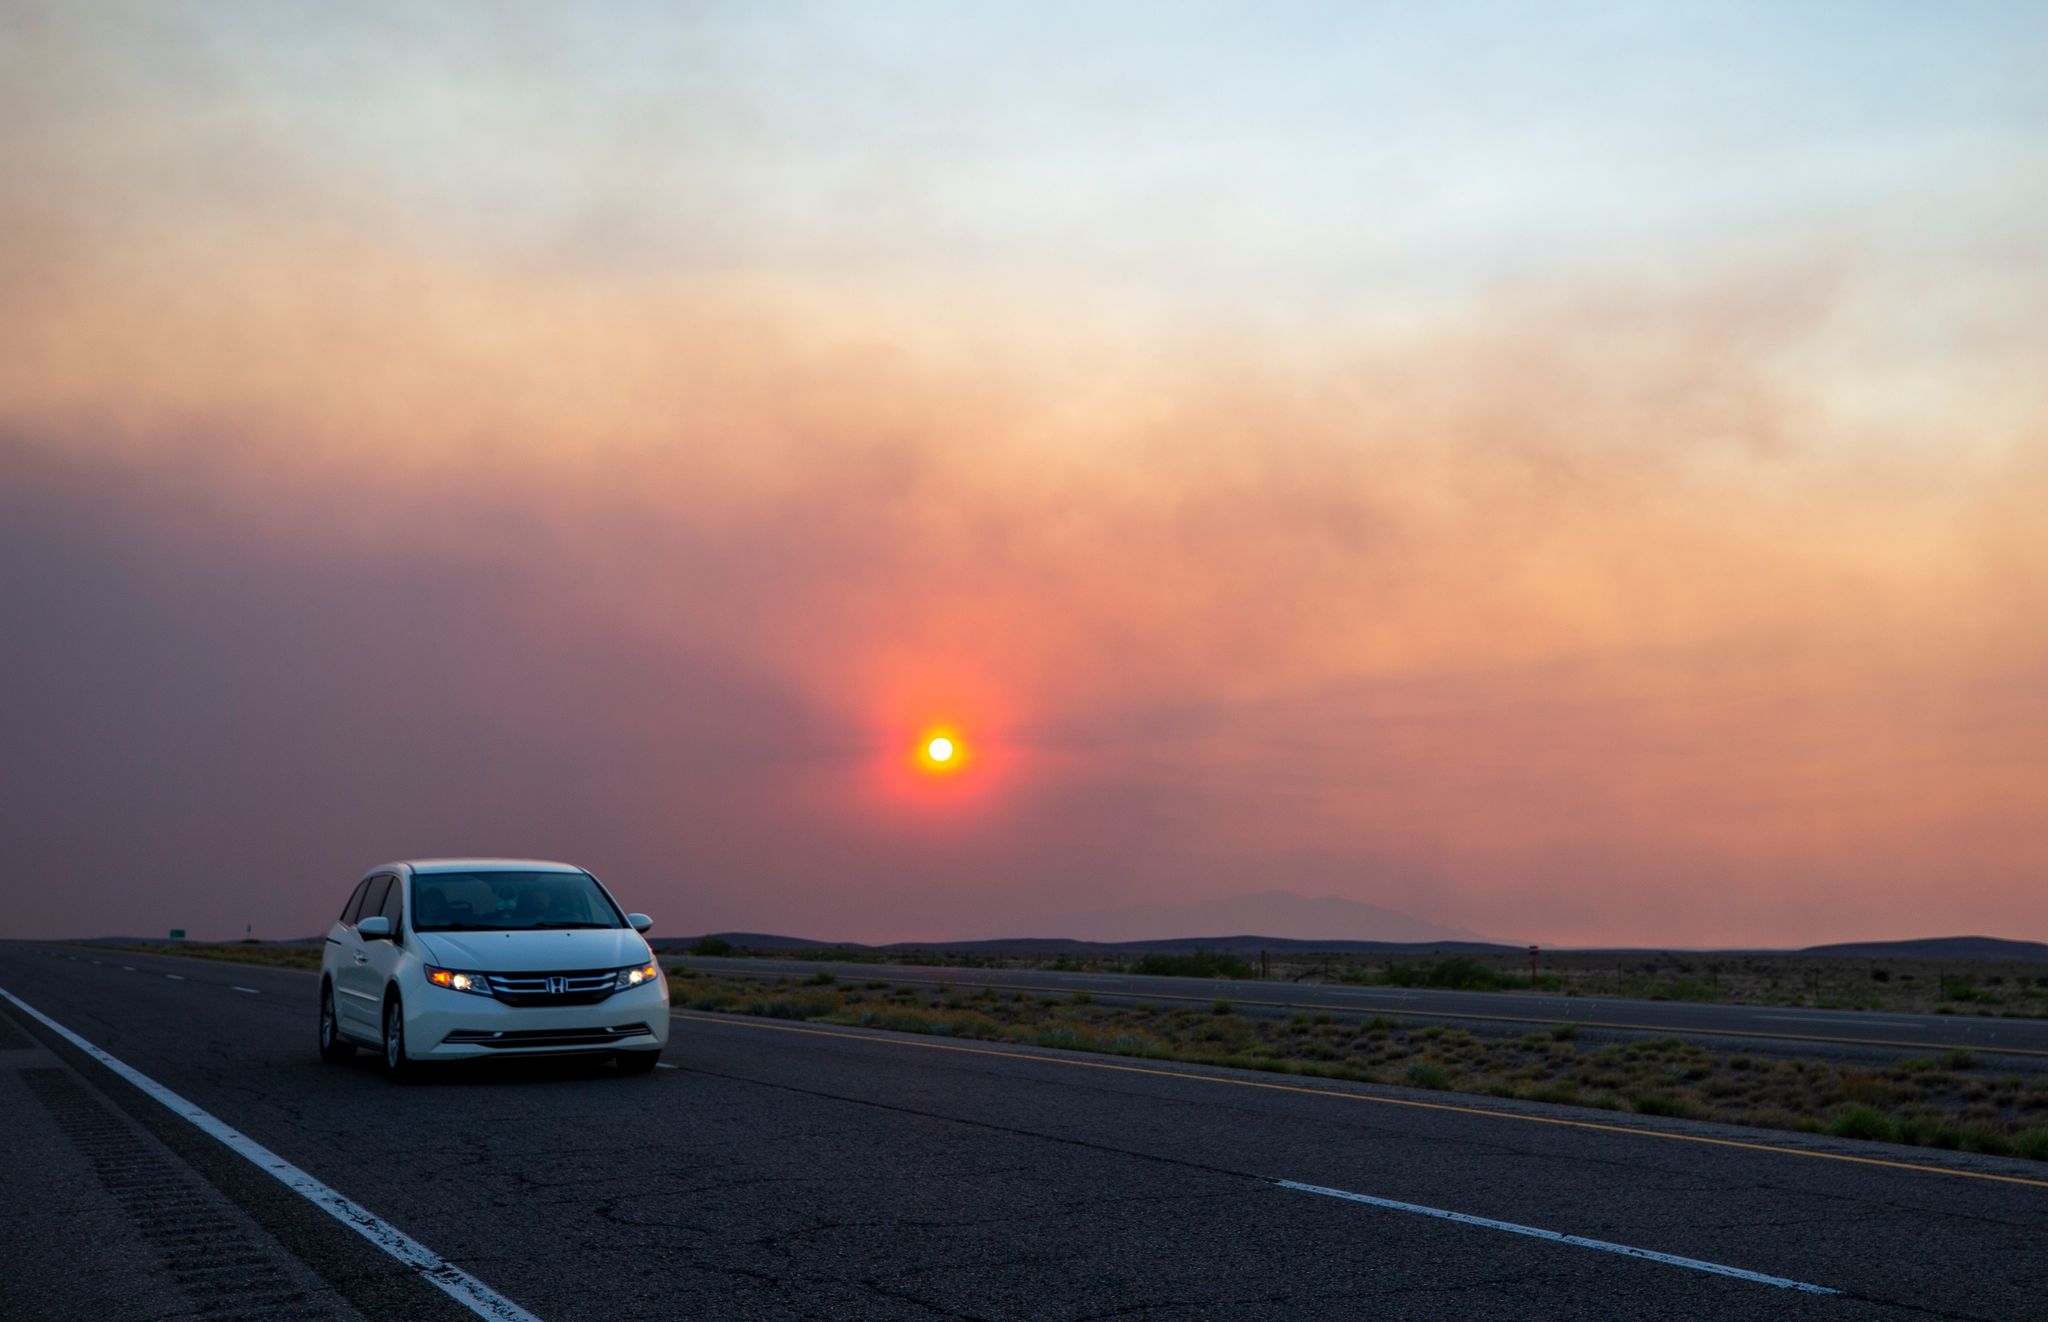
{"x": 638, "y": 1062}
{"x": 334, "y": 1048}
{"x": 396, "y": 1063}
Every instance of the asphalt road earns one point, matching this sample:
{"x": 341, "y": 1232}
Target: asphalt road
{"x": 786, "y": 1170}
{"x": 2021, "y": 1038}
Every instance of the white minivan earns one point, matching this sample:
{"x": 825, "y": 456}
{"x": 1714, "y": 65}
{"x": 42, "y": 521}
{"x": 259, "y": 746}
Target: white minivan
{"x": 463, "y": 958}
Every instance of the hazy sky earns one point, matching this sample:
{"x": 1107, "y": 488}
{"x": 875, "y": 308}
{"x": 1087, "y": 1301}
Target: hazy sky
{"x": 1573, "y": 472}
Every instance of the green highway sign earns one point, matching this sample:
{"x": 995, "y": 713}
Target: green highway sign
{"x": 177, "y": 934}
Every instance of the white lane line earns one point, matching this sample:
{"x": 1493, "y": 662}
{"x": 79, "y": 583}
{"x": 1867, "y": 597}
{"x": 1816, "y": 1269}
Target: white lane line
{"x": 127, "y": 968}
{"x": 663, "y": 1065}
{"x": 1837, "y": 1019}
{"x": 1580, "y": 1240}
{"x": 175, "y": 977}
{"x": 251, "y": 990}
{"x": 465, "y": 1289}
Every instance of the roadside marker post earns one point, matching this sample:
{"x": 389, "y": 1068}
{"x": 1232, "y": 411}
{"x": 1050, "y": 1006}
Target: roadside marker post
{"x": 1532, "y": 966}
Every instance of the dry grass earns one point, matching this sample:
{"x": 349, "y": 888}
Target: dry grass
{"x": 1942, "y": 1101}
{"x": 1817, "y": 982}
{"x": 1966, "y": 987}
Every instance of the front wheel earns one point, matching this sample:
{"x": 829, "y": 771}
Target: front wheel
{"x": 638, "y": 1062}
{"x": 396, "y": 1063}
{"x": 334, "y": 1048}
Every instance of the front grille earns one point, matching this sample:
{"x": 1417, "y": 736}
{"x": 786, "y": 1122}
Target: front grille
{"x": 546, "y": 1037}
{"x": 583, "y": 987}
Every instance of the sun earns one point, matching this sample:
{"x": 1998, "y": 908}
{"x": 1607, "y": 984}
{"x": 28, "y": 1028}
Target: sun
{"x": 940, "y": 751}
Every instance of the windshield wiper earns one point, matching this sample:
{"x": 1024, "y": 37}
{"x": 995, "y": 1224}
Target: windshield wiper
{"x": 549, "y": 927}
{"x": 459, "y": 927}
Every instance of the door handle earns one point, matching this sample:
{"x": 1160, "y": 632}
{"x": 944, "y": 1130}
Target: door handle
{"x": 362, "y": 958}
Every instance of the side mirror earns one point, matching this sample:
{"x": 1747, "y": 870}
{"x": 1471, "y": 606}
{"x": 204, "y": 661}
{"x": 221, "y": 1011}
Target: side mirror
{"x": 639, "y": 922}
{"x": 374, "y": 928}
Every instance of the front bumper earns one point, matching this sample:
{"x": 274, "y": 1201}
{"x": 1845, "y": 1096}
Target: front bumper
{"x": 441, "y": 1024}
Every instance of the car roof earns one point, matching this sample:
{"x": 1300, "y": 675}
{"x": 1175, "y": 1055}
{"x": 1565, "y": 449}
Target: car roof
{"x": 475, "y": 865}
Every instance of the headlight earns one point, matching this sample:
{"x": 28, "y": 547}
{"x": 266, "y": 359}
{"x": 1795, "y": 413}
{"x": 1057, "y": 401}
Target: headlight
{"x": 456, "y": 980}
{"x": 637, "y": 975}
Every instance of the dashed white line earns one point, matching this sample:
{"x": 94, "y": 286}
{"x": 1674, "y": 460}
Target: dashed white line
{"x": 127, "y": 968}
{"x": 451, "y": 1280}
{"x": 175, "y": 977}
{"x": 251, "y": 990}
{"x": 1465, "y": 1218}
{"x": 663, "y": 1065}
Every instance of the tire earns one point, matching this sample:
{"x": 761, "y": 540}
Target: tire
{"x": 334, "y": 1048}
{"x": 637, "y": 1062}
{"x": 397, "y": 1064}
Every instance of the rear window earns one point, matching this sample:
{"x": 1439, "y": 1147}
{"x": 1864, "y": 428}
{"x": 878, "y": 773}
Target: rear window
{"x": 509, "y": 901}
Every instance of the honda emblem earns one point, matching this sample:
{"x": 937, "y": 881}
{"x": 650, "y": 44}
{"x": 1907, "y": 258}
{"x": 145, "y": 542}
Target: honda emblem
{"x": 557, "y": 985}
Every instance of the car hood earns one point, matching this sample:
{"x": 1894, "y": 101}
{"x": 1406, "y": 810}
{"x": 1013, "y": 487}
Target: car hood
{"x": 536, "y": 952}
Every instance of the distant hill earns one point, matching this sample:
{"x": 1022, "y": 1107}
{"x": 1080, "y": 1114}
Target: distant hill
{"x": 1938, "y": 947}
{"x": 1275, "y": 914}
{"x": 761, "y": 941}
{"x": 757, "y": 943}
{"x": 1932, "y": 948}
{"x": 1233, "y": 945}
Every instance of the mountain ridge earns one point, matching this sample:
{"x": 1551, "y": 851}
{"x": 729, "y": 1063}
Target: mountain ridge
{"x": 1274, "y": 914}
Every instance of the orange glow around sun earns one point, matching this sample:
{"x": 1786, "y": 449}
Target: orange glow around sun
{"x": 942, "y": 751}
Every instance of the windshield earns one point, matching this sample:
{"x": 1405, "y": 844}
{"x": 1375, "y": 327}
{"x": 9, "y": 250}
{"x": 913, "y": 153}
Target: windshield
{"x": 509, "y": 901}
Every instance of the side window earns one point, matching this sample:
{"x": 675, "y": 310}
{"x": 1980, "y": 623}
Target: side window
{"x": 354, "y": 908}
{"x": 373, "y": 901}
{"x": 393, "y": 899}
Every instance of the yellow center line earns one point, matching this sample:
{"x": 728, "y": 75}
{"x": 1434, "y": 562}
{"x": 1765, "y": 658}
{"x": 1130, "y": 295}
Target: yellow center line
{"x": 1392, "y": 1011}
{"x": 1453, "y": 1108}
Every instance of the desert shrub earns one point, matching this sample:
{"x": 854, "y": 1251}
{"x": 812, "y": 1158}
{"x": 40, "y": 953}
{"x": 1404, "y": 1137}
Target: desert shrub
{"x": 1652, "y": 1103}
{"x": 813, "y": 1006}
{"x": 1428, "y": 1076}
{"x": 1200, "y": 964}
{"x": 711, "y": 945}
{"x": 1059, "y": 1035}
{"x": 1987, "y": 1139}
{"x": 1456, "y": 972}
{"x": 1860, "y": 1121}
